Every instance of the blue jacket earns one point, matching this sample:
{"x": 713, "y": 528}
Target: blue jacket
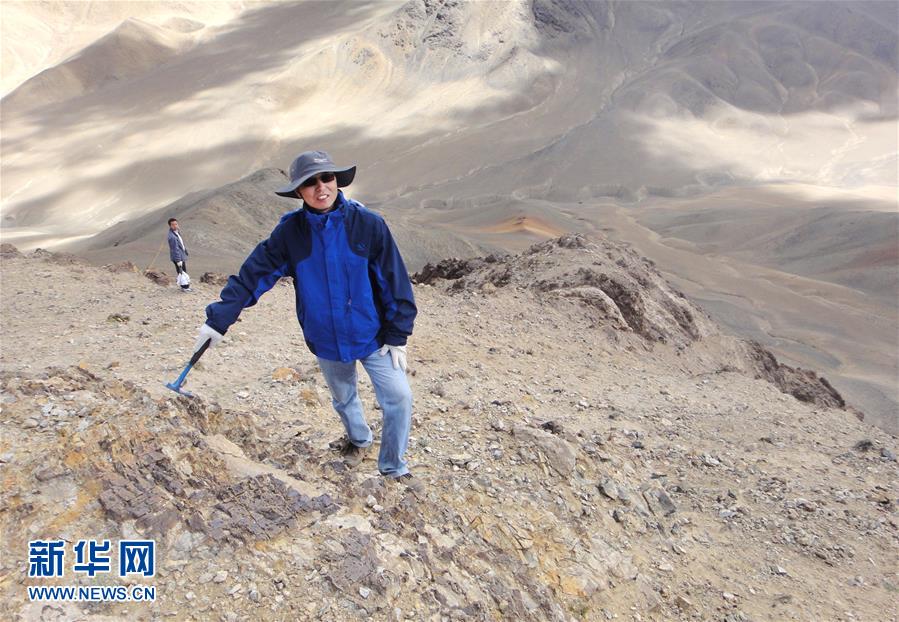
{"x": 353, "y": 293}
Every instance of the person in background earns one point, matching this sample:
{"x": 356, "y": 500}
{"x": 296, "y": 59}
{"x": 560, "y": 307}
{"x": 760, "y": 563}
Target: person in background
{"x": 177, "y": 251}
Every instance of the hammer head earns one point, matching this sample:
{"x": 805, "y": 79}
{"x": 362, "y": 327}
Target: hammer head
{"x": 177, "y": 389}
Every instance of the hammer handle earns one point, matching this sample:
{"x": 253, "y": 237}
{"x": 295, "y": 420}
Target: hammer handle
{"x": 199, "y": 353}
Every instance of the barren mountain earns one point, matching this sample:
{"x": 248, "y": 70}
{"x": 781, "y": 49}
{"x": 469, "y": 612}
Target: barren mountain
{"x": 592, "y": 447}
{"x": 447, "y": 100}
{"x": 131, "y": 49}
{"x": 838, "y": 242}
{"x": 40, "y": 35}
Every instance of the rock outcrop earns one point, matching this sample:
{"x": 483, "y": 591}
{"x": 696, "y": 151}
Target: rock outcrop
{"x": 620, "y": 290}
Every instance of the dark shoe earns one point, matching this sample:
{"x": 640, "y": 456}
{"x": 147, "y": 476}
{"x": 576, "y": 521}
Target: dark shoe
{"x": 353, "y": 455}
{"x": 410, "y": 482}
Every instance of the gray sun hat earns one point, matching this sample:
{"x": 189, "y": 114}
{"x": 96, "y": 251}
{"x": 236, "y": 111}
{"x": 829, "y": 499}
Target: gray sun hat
{"x": 310, "y": 163}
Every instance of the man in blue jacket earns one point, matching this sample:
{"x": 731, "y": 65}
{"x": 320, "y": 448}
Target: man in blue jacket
{"x": 354, "y": 302}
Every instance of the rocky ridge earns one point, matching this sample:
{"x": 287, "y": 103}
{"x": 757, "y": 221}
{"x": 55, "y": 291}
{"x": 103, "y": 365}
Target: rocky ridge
{"x": 579, "y": 464}
{"x": 623, "y": 292}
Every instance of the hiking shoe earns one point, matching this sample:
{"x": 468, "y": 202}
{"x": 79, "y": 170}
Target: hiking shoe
{"x": 409, "y": 481}
{"x": 353, "y": 455}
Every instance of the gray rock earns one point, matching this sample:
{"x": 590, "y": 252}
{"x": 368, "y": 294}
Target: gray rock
{"x": 560, "y": 455}
{"x": 633, "y": 500}
{"x": 683, "y": 603}
{"x": 51, "y": 472}
{"x": 353, "y": 561}
{"x": 710, "y": 460}
{"x": 460, "y": 460}
{"x": 609, "y": 489}
{"x": 554, "y": 427}
{"x": 805, "y": 504}
{"x": 659, "y": 502}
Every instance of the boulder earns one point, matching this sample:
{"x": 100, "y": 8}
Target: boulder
{"x": 560, "y": 455}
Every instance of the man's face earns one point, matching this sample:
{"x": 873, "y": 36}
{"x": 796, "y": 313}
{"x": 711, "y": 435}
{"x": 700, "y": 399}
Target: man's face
{"x": 320, "y": 194}
{"x": 173, "y": 225}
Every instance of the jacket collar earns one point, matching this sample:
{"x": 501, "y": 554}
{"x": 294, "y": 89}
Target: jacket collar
{"x": 339, "y": 208}
{"x": 342, "y": 205}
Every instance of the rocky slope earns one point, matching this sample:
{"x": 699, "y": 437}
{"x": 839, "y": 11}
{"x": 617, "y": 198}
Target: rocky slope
{"x": 592, "y": 448}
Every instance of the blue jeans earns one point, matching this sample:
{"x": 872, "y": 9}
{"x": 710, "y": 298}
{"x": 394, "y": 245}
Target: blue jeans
{"x": 394, "y": 396}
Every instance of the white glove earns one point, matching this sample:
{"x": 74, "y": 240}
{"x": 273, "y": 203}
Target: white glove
{"x": 180, "y": 264}
{"x": 207, "y": 332}
{"x": 397, "y": 353}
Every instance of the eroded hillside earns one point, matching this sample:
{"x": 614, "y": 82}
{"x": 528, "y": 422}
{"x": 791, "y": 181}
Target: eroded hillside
{"x": 591, "y": 445}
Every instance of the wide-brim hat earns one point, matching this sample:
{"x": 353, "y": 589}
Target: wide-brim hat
{"x": 310, "y": 163}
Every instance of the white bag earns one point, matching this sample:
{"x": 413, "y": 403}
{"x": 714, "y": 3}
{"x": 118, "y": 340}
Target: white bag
{"x": 183, "y": 279}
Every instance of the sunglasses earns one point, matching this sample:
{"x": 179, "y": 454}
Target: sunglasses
{"x": 324, "y": 177}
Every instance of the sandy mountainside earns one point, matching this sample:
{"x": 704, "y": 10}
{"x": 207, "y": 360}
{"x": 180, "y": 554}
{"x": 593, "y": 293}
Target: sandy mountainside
{"x": 440, "y": 100}
{"x": 592, "y": 447}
